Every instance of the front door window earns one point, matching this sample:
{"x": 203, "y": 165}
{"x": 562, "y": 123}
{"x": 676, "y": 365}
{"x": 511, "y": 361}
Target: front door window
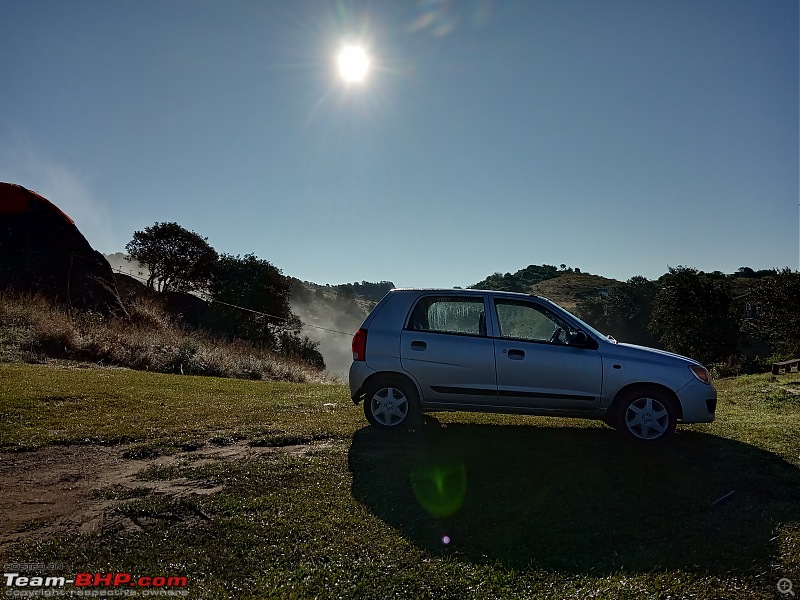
{"x": 525, "y": 321}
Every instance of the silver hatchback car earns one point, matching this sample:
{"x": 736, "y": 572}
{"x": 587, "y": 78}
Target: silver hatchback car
{"x": 425, "y": 350}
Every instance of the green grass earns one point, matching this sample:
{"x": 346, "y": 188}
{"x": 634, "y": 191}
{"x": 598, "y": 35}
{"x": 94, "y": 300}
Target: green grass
{"x": 532, "y": 507}
{"x": 57, "y": 405}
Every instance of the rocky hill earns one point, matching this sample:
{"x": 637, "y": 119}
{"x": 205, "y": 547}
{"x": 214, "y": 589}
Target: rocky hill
{"x": 41, "y": 250}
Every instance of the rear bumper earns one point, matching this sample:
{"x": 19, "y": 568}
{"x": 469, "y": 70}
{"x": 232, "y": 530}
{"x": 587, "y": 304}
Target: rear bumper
{"x": 359, "y": 372}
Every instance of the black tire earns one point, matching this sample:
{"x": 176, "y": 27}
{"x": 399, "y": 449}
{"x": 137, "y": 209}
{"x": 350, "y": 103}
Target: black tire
{"x": 391, "y": 404}
{"x": 646, "y": 416}
{"x": 611, "y": 420}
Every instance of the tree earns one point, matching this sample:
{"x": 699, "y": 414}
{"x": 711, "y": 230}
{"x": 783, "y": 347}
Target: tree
{"x": 775, "y": 317}
{"x": 346, "y": 290}
{"x": 593, "y": 311}
{"x": 521, "y": 281}
{"x": 254, "y": 285}
{"x": 178, "y": 259}
{"x": 746, "y": 272}
{"x": 629, "y": 307}
{"x": 250, "y": 301}
{"x": 692, "y": 315}
{"x": 365, "y": 289}
{"x": 625, "y": 313}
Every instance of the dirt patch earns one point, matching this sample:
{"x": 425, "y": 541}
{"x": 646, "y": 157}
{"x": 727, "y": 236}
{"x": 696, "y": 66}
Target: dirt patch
{"x": 60, "y": 490}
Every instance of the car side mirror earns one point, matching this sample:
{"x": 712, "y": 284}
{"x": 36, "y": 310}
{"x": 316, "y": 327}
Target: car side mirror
{"x": 583, "y": 340}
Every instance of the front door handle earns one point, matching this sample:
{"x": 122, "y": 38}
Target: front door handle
{"x": 516, "y": 354}
{"x": 418, "y": 345}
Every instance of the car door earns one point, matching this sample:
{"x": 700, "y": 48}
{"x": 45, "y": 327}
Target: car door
{"x": 445, "y": 347}
{"x": 539, "y": 362}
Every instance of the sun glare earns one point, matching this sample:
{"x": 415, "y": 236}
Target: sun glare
{"x": 353, "y": 64}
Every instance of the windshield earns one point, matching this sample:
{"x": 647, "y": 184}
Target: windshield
{"x": 583, "y": 324}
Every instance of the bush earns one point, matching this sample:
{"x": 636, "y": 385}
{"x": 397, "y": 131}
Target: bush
{"x": 774, "y": 315}
{"x": 693, "y": 316}
{"x": 302, "y": 348}
{"x": 32, "y": 329}
{"x": 739, "y": 365}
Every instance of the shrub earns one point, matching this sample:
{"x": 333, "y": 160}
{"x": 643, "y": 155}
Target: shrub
{"x": 693, "y": 316}
{"x": 33, "y": 329}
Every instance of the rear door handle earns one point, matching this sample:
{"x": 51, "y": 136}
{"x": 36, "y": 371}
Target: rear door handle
{"x": 418, "y": 345}
{"x": 516, "y": 354}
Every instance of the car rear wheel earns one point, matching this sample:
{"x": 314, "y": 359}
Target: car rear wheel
{"x": 647, "y": 416}
{"x": 391, "y": 404}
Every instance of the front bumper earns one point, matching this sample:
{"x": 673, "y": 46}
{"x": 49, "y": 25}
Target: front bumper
{"x": 698, "y": 401}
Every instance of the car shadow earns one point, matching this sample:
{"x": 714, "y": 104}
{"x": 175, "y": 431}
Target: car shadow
{"x": 577, "y": 499}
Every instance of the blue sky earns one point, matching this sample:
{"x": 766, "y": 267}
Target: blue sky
{"x": 616, "y": 136}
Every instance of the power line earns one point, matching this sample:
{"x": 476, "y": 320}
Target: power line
{"x": 250, "y": 310}
{"x": 326, "y": 329}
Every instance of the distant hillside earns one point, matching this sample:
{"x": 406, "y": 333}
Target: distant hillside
{"x": 521, "y": 281}
{"x": 119, "y": 263}
{"x": 569, "y": 288}
{"x": 341, "y": 308}
{"x": 565, "y": 287}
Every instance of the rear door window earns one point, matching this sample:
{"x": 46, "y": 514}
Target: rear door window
{"x": 449, "y": 314}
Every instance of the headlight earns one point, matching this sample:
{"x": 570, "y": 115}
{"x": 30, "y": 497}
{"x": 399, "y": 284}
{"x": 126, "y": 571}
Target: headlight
{"x": 700, "y": 372}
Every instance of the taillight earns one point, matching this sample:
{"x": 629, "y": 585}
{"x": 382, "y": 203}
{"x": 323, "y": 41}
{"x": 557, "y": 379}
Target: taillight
{"x": 360, "y": 344}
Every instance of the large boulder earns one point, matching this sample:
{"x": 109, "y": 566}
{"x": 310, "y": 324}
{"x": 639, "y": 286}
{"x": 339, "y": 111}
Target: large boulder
{"x": 42, "y": 251}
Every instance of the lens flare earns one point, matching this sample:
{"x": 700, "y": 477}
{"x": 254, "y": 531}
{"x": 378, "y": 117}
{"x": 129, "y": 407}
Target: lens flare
{"x": 353, "y": 64}
{"x": 440, "y": 489}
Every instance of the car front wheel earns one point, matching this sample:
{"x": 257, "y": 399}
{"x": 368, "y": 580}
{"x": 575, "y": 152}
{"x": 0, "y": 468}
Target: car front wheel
{"x": 391, "y": 404}
{"x": 647, "y": 416}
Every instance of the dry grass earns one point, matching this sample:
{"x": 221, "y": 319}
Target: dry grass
{"x": 33, "y": 330}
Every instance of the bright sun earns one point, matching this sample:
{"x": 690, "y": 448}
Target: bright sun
{"x": 353, "y": 63}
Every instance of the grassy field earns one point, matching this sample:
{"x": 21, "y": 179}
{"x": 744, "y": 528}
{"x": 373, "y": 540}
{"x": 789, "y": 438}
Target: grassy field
{"x": 466, "y": 506}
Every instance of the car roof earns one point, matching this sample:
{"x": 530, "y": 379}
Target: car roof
{"x": 469, "y": 291}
